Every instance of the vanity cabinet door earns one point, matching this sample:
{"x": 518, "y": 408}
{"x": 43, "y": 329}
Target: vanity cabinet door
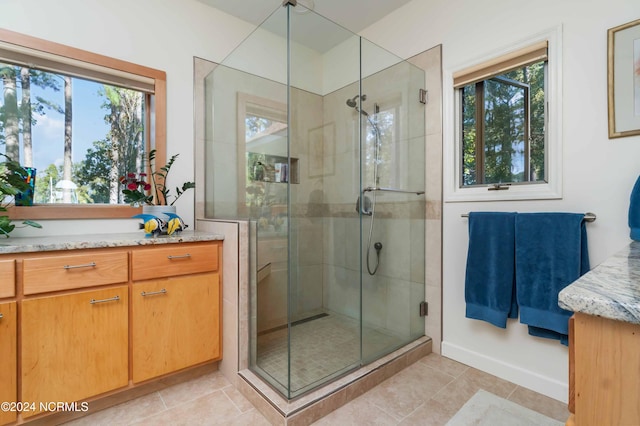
{"x": 175, "y": 324}
{"x": 74, "y": 346}
{"x": 606, "y": 371}
{"x": 8, "y": 372}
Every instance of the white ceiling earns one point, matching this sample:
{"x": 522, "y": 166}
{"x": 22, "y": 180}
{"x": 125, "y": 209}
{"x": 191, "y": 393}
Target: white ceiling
{"x": 354, "y": 15}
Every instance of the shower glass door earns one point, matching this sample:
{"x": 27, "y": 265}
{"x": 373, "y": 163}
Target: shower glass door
{"x": 316, "y": 137}
{"x": 392, "y": 165}
{"x": 324, "y": 274}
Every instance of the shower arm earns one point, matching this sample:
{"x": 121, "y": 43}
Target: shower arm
{"x": 372, "y": 189}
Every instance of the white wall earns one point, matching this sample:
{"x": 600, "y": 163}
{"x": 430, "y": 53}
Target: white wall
{"x": 598, "y": 173}
{"x": 162, "y": 34}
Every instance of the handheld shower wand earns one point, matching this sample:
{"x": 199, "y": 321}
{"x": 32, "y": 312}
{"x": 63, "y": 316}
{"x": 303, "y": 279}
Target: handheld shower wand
{"x": 364, "y": 205}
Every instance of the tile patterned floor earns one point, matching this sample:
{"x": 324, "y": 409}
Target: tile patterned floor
{"x": 426, "y": 393}
{"x": 320, "y": 348}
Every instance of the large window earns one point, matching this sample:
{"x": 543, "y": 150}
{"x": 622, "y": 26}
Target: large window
{"x": 81, "y": 120}
{"x": 79, "y": 135}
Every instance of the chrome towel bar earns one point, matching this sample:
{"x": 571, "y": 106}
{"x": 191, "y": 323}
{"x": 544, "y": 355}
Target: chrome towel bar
{"x": 588, "y": 216}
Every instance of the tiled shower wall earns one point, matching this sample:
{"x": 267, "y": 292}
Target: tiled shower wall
{"x": 391, "y": 296}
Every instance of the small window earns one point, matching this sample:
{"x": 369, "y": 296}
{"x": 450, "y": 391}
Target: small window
{"x": 506, "y": 139}
{"x": 503, "y": 120}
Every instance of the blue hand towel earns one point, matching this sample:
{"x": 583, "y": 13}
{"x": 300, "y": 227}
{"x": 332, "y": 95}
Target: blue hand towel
{"x": 489, "y": 284}
{"x": 551, "y": 253}
{"x": 634, "y": 211}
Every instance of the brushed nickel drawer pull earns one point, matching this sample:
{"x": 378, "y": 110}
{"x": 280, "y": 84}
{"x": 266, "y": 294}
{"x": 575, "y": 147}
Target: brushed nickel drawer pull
{"x": 151, "y": 293}
{"x": 86, "y": 265}
{"x": 112, "y": 299}
{"x": 1, "y": 316}
{"x": 184, "y": 256}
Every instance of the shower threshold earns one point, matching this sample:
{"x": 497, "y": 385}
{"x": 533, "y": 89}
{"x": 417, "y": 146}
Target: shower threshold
{"x": 318, "y": 403}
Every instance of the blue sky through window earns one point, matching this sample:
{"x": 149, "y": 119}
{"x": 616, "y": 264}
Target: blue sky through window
{"x": 88, "y": 123}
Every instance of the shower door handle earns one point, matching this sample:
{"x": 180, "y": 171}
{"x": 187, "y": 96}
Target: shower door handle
{"x": 364, "y": 207}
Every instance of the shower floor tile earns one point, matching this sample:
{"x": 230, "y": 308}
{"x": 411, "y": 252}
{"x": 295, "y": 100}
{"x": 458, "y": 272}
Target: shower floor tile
{"x": 319, "y": 348}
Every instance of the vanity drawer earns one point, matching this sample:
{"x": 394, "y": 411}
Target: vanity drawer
{"x": 174, "y": 259}
{"x": 43, "y": 274}
{"x": 7, "y": 278}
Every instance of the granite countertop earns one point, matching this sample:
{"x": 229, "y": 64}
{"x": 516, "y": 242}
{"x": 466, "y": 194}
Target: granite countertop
{"x": 610, "y": 290}
{"x": 74, "y": 242}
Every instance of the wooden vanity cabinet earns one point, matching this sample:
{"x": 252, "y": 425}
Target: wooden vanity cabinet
{"x": 82, "y": 324}
{"x": 74, "y": 346}
{"x": 175, "y": 324}
{"x": 176, "y": 309}
{"x": 8, "y": 357}
{"x": 605, "y": 376}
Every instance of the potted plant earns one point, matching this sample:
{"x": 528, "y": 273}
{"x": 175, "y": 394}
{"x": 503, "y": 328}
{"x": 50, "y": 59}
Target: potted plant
{"x": 158, "y": 214}
{"x": 13, "y": 181}
{"x": 138, "y": 191}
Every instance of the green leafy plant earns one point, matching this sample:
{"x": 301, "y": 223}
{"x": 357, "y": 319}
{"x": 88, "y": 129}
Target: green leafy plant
{"x": 137, "y": 190}
{"x": 13, "y": 180}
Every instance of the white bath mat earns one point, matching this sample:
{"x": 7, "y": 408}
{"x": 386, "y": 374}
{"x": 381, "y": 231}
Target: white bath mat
{"x": 487, "y": 409}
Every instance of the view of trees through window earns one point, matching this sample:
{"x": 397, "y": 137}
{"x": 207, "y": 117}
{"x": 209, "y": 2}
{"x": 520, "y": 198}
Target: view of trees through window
{"x": 381, "y": 128}
{"x": 79, "y": 135}
{"x": 263, "y": 136}
{"x": 503, "y": 127}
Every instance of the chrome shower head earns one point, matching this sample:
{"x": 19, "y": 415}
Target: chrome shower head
{"x": 352, "y": 102}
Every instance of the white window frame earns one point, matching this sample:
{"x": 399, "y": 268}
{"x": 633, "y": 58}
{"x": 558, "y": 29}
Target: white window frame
{"x": 552, "y": 188}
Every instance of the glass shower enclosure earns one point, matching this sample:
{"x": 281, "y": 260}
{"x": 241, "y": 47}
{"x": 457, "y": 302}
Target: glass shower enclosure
{"x": 316, "y": 136}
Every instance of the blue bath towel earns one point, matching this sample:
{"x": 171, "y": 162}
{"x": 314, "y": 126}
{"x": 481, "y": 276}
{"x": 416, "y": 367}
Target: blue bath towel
{"x": 490, "y": 282}
{"x": 634, "y": 211}
{"x": 551, "y": 253}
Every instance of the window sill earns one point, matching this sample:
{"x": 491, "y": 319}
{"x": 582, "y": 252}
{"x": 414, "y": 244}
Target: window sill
{"x": 533, "y": 191}
{"x": 72, "y": 211}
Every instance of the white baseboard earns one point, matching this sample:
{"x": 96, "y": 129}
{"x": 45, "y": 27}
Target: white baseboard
{"x": 525, "y": 378}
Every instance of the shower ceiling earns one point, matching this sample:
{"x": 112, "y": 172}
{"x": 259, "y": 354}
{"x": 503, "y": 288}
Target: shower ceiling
{"x": 354, "y": 15}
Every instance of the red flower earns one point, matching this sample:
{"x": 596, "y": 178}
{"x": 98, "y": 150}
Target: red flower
{"x": 132, "y": 186}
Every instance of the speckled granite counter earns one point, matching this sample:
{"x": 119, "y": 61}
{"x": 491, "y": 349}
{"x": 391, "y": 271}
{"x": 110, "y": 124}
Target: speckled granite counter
{"x": 74, "y": 242}
{"x": 610, "y": 290}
